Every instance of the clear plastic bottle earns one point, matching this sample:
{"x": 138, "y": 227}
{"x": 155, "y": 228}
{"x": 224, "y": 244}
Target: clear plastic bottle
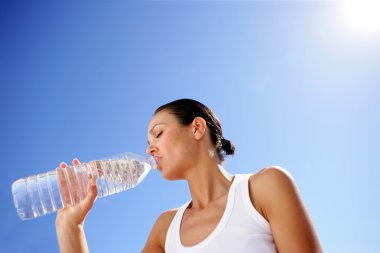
{"x": 44, "y": 193}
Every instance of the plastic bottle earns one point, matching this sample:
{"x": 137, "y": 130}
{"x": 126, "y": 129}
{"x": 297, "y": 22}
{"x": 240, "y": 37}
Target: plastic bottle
{"x": 44, "y": 193}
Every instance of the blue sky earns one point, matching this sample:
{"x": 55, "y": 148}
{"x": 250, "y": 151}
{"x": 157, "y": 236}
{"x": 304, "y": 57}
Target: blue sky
{"x": 291, "y": 83}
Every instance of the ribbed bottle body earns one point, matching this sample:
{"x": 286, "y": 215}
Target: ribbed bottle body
{"x": 48, "y": 192}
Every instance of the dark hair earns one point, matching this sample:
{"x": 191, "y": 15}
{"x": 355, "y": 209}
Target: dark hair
{"x": 186, "y": 110}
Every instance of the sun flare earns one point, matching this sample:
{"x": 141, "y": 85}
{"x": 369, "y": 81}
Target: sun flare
{"x": 362, "y": 16}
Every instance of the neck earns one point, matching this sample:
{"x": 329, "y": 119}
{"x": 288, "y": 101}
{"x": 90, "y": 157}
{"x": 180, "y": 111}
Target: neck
{"x": 207, "y": 182}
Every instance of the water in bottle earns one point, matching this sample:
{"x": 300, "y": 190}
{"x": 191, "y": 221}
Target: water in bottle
{"x": 48, "y": 192}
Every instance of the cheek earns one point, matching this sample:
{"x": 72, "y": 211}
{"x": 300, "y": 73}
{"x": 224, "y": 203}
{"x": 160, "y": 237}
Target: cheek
{"x": 177, "y": 148}
{"x": 183, "y": 154}
{"x": 177, "y": 144}
{"x": 174, "y": 140}
{"x": 181, "y": 144}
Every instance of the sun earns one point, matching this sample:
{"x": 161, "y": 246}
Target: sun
{"x": 362, "y": 16}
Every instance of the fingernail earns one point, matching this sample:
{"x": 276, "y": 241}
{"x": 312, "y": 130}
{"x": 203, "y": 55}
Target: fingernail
{"x": 62, "y": 165}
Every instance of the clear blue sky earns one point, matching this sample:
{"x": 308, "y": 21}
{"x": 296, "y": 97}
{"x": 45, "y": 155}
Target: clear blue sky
{"x": 291, "y": 84}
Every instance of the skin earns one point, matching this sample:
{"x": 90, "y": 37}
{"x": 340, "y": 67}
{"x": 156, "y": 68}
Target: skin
{"x": 183, "y": 152}
{"x": 70, "y": 220}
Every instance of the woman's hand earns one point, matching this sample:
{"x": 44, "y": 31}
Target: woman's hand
{"x": 70, "y": 220}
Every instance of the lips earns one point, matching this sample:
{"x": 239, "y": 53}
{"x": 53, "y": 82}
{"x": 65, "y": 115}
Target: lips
{"x": 158, "y": 161}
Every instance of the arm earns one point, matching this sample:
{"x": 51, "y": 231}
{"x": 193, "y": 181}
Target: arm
{"x": 71, "y": 238}
{"x": 276, "y": 197}
{"x": 70, "y": 220}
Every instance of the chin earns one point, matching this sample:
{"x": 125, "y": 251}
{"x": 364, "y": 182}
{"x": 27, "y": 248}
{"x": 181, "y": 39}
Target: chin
{"x": 169, "y": 175}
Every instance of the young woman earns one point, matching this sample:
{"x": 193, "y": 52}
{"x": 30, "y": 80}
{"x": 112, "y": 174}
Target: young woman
{"x": 262, "y": 212}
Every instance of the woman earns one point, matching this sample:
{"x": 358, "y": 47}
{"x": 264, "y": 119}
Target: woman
{"x": 261, "y": 213}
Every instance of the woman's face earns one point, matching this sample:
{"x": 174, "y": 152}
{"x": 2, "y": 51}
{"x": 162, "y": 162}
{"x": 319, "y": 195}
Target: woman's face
{"x": 171, "y": 143}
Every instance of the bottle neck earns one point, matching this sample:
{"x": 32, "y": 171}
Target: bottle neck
{"x": 152, "y": 163}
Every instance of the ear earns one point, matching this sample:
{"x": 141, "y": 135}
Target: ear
{"x": 198, "y": 127}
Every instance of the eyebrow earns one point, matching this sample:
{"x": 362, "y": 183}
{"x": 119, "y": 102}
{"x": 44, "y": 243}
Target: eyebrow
{"x": 151, "y": 130}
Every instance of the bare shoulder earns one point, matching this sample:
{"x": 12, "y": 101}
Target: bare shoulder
{"x": 274, "y": 194}
{"x": 271, "y": 173}
{"x": 166, "y": 217}
{"x": 157, "y": 236}
{"x": 264, "y": 184}
{"x": 272, "y": 178}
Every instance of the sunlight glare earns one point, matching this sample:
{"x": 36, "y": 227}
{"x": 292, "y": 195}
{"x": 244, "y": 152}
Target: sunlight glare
{"x": 362, "y": 16}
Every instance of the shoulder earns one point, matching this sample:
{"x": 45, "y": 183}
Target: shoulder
{"x": 271, "y": 175}
{"x": 277, "y": 198}
{"x": 157, "y": 236}
{"x": 166, "y": 218}
{"x": 275, "y": 195}
{"x": 163, "y": 222}
{"x": 269, "y": 185}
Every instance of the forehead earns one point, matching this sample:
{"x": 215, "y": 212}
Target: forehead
{"x": 162, "y": 117}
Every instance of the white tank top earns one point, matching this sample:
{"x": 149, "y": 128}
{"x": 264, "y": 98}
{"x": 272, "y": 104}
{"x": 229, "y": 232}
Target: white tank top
{"x": 241, "y": 229}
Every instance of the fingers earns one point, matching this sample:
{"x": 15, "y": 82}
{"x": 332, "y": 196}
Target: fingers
{"x": 78, "y": 189}
{"x": 92, "y": 192}
{"x": 75, "y": 161}
{"x": 74, "y": 184}
{"x": 70, "y": 184}
{"x": 81, "y": 176}
{"x": 78, "y": 184}
{"x": 63, "y": 184}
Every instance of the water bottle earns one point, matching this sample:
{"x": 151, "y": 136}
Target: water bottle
{"x": 44, "y": 193}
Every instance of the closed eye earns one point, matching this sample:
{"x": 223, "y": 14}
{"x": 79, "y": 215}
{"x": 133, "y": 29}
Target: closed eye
{"x": 158, "y": 135}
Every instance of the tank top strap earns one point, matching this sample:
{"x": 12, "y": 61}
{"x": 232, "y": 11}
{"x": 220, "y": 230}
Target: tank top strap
{"x": 243, "y": 189}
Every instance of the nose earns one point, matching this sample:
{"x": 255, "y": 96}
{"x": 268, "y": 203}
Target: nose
{"x": 151, "y": 150}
